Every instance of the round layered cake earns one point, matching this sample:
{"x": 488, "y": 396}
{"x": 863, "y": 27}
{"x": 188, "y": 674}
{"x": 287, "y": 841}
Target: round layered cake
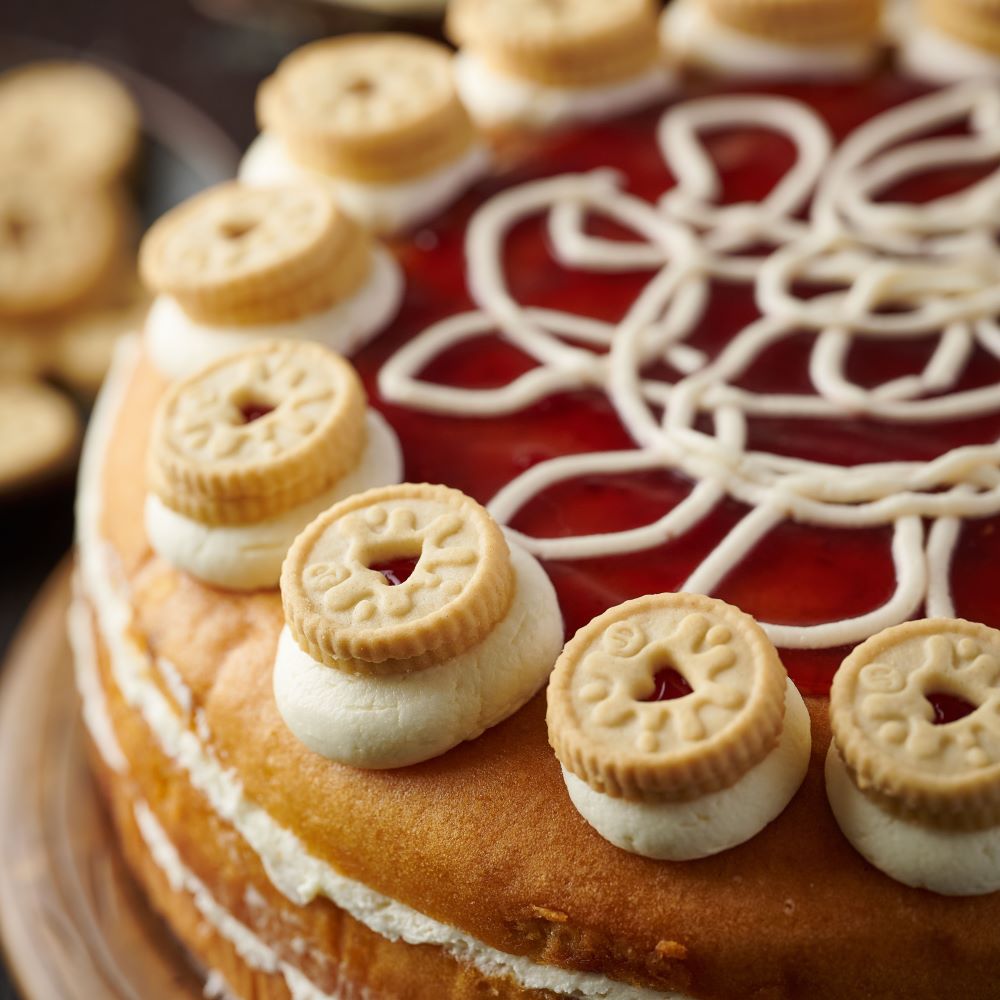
{"x": 458, "y": 601}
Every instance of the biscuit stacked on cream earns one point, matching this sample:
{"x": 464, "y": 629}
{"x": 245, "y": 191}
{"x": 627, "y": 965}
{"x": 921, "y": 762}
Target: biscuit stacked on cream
{"x": 536, "y": 63}
{"x": 799, "y": 39}
{"x": 951, "y": 40}
{"x": 249, "y": 450}
{"x": 412, "y": 625}
{"x": 678, "y": 730}
{"x": 376, "y": 118}
{"x": 913, "y": 771}
{"x": 237, "y": 265}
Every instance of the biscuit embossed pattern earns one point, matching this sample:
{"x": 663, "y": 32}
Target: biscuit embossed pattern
{"x": 842, "y": 264}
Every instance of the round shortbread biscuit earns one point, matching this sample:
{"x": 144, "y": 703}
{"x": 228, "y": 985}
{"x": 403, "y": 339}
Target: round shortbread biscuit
{"x": 67, "y": 119}
{"x": 801, "y": 22}
{"x": 371, "y": 108}
{"x": 346, "y": 613}
{"x": 606, "y": 729}
{"x": 257, "y": 433}
{"x": 25, "y": 350}
{"x": 975, "y": 22}
{"x": 59, "y": 244}
{"x": 562, "y": 43}
{"x": 250, "y": 255}
{"x": 39, "y": 430}
{"x": 889, "y": 737}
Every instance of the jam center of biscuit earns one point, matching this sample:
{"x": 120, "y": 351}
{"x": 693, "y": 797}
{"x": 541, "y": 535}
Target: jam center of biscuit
{"x": 948, "y": 707}
{"x": 396, "y": 571}
{"x": 361, "y": 87}
{"x": 668, "y": 685}
{"x": 254, "y": 409}
{"x": 236, "y": 229}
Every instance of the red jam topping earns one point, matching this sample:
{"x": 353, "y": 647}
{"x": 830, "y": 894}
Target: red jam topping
{"x": 668, "y": 684}
{"x": 396, "y": 571}
{"x": 253, "y": 410}
{"x": 948, "y": 707}
{"x": 798, "y": 574}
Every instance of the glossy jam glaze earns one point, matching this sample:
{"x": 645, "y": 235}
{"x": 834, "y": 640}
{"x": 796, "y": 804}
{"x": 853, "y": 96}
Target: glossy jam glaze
{"x": 798, "y": 574}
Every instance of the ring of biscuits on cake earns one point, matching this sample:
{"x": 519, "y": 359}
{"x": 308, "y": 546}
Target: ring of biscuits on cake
{"x": 357, "y": 735}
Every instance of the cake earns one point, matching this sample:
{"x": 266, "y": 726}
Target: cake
{"x": 690, "y": 348}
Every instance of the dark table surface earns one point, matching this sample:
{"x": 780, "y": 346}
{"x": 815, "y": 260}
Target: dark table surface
{"x": 212, "y": 53}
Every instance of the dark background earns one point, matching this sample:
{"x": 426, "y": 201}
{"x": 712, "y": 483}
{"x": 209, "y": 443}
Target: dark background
{"x": 211, "y": 53}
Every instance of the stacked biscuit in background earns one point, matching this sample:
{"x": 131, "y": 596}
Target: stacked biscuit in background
{"x": 69, "y": 136}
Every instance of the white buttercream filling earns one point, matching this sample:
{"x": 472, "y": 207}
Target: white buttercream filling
{"x": 249, "y": 556}
{"x": 681, "y": 831}
{"x": 949, "y": 862}
{"x": 180, "y": 346}
{"x": 394, "y": 721}
{"x": 932, "y": 55}
{"x": 299, "y": 875}
{"x": 494, "y": 98}
{"x": 88, "y": 685}
{"x": 691, "y": 33}
{"x": 384, "y": 208}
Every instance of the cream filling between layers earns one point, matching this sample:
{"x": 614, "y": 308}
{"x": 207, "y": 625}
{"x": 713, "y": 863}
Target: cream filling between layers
{"x": 249, "y": 556}
{"x": 932, "y": 55}
{"x": 384, "y": 208}
{"x": 495, "y": 99}
{"x": 300, "y": 876}
{"x": 691, "y": 33}
{"x": 394, "y": 721}
{"x": 682, "y": 831}
{"x": 180, "y": 346}
{"x": 949, "y": 862}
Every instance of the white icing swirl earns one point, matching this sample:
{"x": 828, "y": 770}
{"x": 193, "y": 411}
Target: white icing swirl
{"x": 936, "y": 264}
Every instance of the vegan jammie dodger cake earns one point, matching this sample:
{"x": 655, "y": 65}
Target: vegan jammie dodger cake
{"x": 738, "y": 351}
{"x": 247, "y": 451}
{"x": 236, "y": 265}
{"x": 375, "y": 117}
{"x": 412, "y": 625}
{"x": 678, "y": 731}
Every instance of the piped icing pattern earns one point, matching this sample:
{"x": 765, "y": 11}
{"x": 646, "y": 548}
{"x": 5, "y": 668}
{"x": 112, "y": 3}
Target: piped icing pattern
{"x": 889, "y": 270}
